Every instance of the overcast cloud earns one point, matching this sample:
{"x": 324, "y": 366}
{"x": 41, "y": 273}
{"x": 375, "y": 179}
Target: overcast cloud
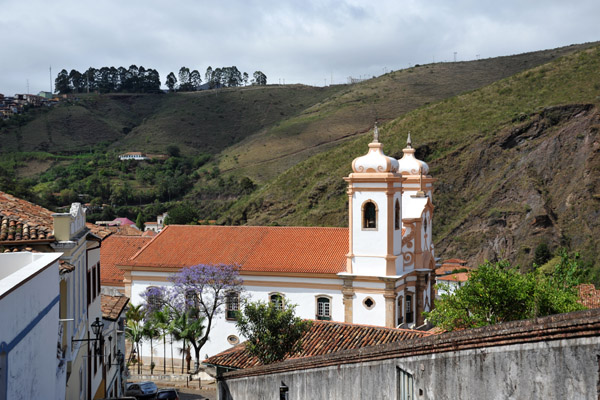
{"x": 297, "y": 41}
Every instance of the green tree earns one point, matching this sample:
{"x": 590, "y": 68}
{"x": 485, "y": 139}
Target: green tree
{"x": 134, "y": 329}
{"x": 61, "y": 83}
{"x": 259, "y": 78}
{"x": 542, "y": 254}
{"x": 171, "y": 82}
{"x": 497, "y": 292}
{"x": 173, "y": 150}
{"x": 150, "y": 331}
{"x": 139, "y": 221}
{"x": 272, "y": 331}
{"x": 181, "y": 214}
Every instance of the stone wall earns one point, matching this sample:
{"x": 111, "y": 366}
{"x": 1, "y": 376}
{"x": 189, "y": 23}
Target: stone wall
{"x": 550, "y": 358}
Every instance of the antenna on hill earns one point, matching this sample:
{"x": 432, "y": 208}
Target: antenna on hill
{"x": 51, "y": 79}
{"x": 454, "y": 56}
{"x": 27, "y": 86}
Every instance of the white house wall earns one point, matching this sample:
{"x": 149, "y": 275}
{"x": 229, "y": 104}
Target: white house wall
{"x": 29, "y": 336}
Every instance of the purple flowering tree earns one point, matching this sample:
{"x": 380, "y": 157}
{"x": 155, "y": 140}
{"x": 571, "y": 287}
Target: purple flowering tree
{"x": 197, "y": 294}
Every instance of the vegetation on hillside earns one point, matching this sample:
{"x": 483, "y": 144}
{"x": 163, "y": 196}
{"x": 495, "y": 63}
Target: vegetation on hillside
{"x": 515, "y": 161}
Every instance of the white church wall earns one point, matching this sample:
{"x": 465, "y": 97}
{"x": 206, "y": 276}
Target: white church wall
{"x": 222, "y": 329}
{"x": 363, "y": 315}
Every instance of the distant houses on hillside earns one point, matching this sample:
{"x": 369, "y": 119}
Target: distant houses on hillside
{"x": 13, "y": 105}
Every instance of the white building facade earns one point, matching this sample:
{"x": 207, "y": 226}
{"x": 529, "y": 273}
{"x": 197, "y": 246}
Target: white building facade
{"x": 30, "y": 367}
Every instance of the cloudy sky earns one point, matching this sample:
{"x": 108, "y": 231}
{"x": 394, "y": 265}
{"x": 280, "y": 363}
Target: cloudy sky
{"x": 310, "y": 42}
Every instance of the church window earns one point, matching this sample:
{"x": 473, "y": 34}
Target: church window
{"x": 409, "y": 313}
{"x": 232, "y": 339}
{"x": 232, "y": 304}
{"x": 369, "y": 215}
{"x": 369, "y": 303}
{"x": 399, "y": 311}
{"x": 397, "y": 215}
{"x": 323, "y": 308}
{"x": 425, "y": 225}
{"x": 277, "y": 300}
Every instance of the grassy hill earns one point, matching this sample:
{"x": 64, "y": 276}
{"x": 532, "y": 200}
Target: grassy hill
{"x": 513, "y": 142}
{"x": 517, "y": 164}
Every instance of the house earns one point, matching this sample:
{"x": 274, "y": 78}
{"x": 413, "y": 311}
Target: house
{"x": 451, "y": 275}
{"x": 116, "y": 250}
{"x": 113, "y": 317}
{"x": 378, "y": 271}
{"x": 30, "y": 366}
{"x": 553, "y": 357}
{"x": 133, "y": 155}
{"x": 156, "y": 226}
{"x": 28, "y": 227}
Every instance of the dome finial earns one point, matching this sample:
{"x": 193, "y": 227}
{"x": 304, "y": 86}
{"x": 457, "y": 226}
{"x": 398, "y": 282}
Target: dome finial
{"x": 408, "y": 141}
{"x": 376, "y": 134}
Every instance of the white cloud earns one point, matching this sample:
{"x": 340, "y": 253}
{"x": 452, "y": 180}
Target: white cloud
{"x": 299, "y": 41}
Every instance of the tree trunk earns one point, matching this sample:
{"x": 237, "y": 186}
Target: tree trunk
{"x": 172, "y": 366}
{"x": 183, "y": 354}
{"x": 151, "y": 356}
{"x": 164, "y": 354}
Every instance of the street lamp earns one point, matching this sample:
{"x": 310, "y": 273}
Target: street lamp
{"x": 97, "y": 327}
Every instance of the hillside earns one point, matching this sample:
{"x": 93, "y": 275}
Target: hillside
{"x": 517, "y": 164}
{"x": 237, "y": 123}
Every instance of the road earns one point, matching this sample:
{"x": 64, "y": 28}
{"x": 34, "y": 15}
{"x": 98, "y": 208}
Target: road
{"x": 189, "y": 394}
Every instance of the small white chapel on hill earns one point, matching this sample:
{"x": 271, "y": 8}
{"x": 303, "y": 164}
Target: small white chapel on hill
{"x": 378, "y": 271}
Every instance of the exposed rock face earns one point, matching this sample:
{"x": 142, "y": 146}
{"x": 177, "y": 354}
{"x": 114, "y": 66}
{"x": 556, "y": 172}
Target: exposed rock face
{"x": 538, "y": 179}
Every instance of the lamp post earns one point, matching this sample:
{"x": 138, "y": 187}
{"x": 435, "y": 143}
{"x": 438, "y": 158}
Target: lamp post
{"x": 97, "y": 327}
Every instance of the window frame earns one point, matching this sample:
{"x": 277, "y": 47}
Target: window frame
{"x": 365, "y": 301}
{"x": 364, "y": 222}
{"x": 282, "y": 298}
{"x": 232, "y": 307}
{"x": 326, "y": 310}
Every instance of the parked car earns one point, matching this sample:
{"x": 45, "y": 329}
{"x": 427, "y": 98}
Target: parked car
{"x": 141, "y": 390}
{"x": 167, "y": 394}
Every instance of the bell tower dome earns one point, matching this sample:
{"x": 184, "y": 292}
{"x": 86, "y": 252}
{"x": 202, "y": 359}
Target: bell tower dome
{"x": 375, "y": 214}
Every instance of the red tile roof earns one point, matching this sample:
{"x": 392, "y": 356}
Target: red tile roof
{"x": 324, "y": 337}
{"x": 112, "y": 306}
{"x": 116, "y": 250}
{"x": 589, "y": 296}
{"x": 460, "y": 277}
{"x": 22, "y": 221}
{"x": 254, "y": 248}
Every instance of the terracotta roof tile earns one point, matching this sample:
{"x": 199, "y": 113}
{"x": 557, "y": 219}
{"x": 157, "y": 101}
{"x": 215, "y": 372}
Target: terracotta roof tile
{"x": 324, "y": 337}
{"x": 65, "y": 267}
{"x": 100, "y": 231}
{"x": 149, "y": 233}
{"x": 254, "y": 248}
{"x": 112, "y": 306}
{"x": 589, "y": 296}
{"x": 116, "y": 250}
{"x": 460, "y": 277}
{"x": 22, "y": 221}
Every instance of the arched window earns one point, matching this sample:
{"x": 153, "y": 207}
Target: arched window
{"x": 277, "y": 300}
{"x": 397, "y": 215}
{"x": 369, "y": 215}
{"x": 323, "y": 308}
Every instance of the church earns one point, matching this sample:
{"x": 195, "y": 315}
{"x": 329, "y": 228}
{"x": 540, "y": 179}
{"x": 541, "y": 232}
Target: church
{"x": 378, "y": 271}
